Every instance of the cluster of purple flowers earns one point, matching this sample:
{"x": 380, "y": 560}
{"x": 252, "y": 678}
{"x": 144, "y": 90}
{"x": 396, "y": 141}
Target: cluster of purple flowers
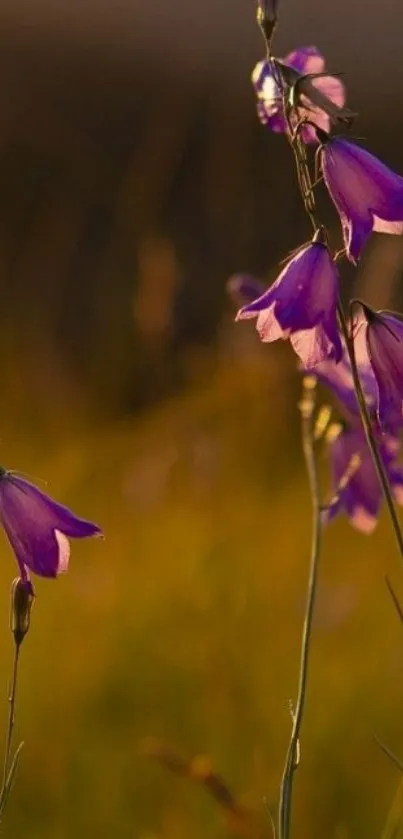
{"x": 356, "y": 488}
{"x": 296, "y": 96}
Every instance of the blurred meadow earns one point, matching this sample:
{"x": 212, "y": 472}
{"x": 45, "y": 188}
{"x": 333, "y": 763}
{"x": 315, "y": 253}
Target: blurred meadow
{"x": 134, "y": 181}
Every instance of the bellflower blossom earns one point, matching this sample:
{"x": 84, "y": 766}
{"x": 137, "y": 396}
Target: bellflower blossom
{"x": 367, "y": 195}
{"x": 319, "y": 98}
{"x": 301, "y": 306}
{"x": 384, "y": 338}
{"x": 37, "y": 527}
{"x": 359, "y": 493}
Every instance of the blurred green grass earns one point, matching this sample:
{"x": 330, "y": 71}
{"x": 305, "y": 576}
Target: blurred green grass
{"x": 184, "y": 625}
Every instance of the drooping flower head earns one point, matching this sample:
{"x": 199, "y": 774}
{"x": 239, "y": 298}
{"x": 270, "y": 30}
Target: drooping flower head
{"x": 320, "y": 97}
{"x": 301, "y": 306}
{"x": 37, "y": 527}
{"x": 367, "y": 195}
{"x": 355, "y": 481}
{"x": 384, "y": 339}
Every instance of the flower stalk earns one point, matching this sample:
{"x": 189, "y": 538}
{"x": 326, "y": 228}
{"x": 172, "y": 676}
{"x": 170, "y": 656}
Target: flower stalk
{"x": 368, "y": 429}
{"x": 22, "y": 598}
{"x": 307, "y": 407}
{"x": 306, "y": 186}
{"x": 11, "y": 717}
{"x": 296, "y": 96}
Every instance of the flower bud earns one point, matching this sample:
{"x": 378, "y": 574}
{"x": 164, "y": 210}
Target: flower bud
{"x": 22, "y": 598}
{"x": 267, "y": 18}
{"x": 267, "y": 9}
{"x": 301, "y": 87}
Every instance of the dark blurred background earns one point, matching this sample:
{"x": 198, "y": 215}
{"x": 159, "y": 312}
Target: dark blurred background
{"x": 134, "y": 180}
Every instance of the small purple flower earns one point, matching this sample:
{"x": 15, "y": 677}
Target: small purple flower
{"x": 367, "y": 195}
{"x": 304, "y": 61}
{"x": 384, "y": 339}
{"x": 301, "y": 305}
{"x": 356, "y": 484}
{"x": 37, "y": 527}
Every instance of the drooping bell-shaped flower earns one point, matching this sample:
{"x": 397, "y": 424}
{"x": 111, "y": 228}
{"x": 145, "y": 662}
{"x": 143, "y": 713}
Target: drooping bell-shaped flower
{"x": 319, "y": 97}
{"x": 356, "y": 486}
{"x": 367, "y": 194}
{"x": 301, "y": 305}
{"x": 37, "y": 527}
{"x": 384, "y": 339}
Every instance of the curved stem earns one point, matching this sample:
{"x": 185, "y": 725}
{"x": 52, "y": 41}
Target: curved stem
{"x": 368, "y": 429}
{"x": 292, "y": 758}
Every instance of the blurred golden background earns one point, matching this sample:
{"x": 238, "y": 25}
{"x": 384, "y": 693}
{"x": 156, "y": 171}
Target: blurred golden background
{"x": 135, "y": 180}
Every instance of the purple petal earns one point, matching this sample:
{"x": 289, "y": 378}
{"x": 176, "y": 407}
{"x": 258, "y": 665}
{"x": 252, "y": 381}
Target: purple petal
{"x": 308, "y": 133}
{"x": 365, "y": 192}
{"x": 243, "y": 289}
{"x": 259, "y": 305}
{"x": 37, "y": 526}
{"x": 320, "y": 99}
{"x": 313, "y": 345}
{"x": 303, "y": 298}
{"x": 382, "y": 226}
{"x": 362, "y": 519}
{"x": 331, "y": 87}
{"x": 396, "y": 481}
{"x": 276, "y": 122}
{"x": 36, "y": 550}
{"x": 268, "y": 93}
{"x": 35, "y": 503}
{"x": 338, "y": 378}
{"x": 305, "y": 60}
{"x": 268, "y": 326}
{"x": 361, "y": 497}
{"x": 306, "y": 290}
{"x": 319, "y": 103}
{"x": 384, "y": 333}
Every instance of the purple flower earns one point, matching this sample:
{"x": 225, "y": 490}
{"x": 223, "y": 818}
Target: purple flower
{"x": 339, "y": 379}
{"x": 355, "y": 481}
{"x": 367, "y": 195}
{"x": 37, "y": 527}
{"x": 304, "y": 62}
{"x": 384, "y": 339}
{"x": 301, "y": 305}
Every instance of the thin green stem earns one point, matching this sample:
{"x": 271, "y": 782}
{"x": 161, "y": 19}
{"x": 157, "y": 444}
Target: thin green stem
{"x": 11, "y": 717}
{"x": 368, "y": 429}
{"x": 10, "y": 763}
{"x": 292, "y": 758}
{"x": 395, "y": 599}
{"x": 388, "y": 752}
